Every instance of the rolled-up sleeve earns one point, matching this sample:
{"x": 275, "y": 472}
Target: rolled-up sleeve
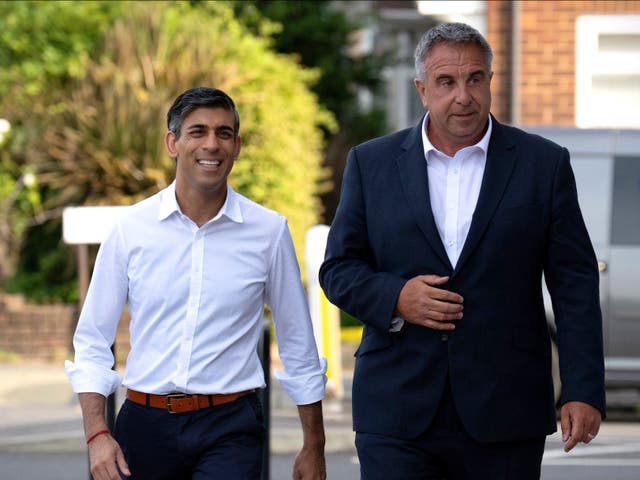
{"x": 92, "y": 368}
{"x": 303, "y": 377}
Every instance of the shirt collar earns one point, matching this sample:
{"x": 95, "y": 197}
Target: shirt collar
{"x": 230, "y": 209}
{"x": 483, "y": 144}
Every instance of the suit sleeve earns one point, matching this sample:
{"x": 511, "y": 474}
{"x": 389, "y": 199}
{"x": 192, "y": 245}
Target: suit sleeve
{"x": 572, "y": 278}
{"x": 348, "y": 275}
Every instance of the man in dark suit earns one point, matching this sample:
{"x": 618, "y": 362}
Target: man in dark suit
{"x": 438, "y": 246}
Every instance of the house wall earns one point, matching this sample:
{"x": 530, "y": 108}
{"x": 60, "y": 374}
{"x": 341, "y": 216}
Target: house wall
{"x": 547, "y": 61}
{"x": 45, "y": 332}
{"x": 499, "y": 33}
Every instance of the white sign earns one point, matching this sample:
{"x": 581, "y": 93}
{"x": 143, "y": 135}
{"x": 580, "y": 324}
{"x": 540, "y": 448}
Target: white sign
{"x": 87, "y": 225}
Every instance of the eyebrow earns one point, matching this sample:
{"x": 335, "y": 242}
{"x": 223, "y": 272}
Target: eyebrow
{"x": 447, "y": 76}
{"x": 444, "y": 76}
{"x": 201, "y": 126}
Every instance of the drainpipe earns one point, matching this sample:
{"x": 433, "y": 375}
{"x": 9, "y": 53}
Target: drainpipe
{"x": 516, "y": 42}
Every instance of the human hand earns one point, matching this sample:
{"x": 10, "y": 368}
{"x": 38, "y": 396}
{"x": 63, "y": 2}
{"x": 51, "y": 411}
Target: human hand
{"x": 310, "y": 464}
{"x": 422, "y": 302}
{"x": 580, "y": 422}
{"x": 105, "y": 458}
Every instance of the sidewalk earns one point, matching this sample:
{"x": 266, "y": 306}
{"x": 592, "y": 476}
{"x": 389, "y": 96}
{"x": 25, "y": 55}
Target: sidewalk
{"x": 41, "y": 413}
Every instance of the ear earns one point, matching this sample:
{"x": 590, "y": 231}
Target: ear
{"x": 237, "y": 146}
{"x": 170, "y": 144}
{"x": 422, "y": 91}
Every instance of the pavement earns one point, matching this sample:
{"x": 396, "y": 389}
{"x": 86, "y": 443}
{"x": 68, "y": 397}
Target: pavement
{"x": 40, "y": 412}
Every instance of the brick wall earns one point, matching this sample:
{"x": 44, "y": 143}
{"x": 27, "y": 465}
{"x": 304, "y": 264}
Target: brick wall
{"x": 547, "y": 56}
{"x": 34, "y": 331}
{"x": 45, "y": 332}
{"x": 499, "y": 28}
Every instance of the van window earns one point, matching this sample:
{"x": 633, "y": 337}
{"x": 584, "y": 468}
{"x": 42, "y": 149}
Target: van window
{"x": 625, "y": 221}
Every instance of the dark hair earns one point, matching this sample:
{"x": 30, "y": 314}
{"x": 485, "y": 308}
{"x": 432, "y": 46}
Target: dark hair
{"x": 453, "y": 34}
{"x": 196, "y": 98}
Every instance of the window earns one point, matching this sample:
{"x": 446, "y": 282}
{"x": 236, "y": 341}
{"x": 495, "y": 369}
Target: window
{"x": 608, "y": 71}
{"x": 625, "y": 224}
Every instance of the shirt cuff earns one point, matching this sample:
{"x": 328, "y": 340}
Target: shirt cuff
{"x": 89, "y": 377}
{"x": 305, "y": 389}
{"x": 396, "y": 324}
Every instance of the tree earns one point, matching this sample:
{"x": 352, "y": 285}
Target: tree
{"x": 38, "y": 59}
{"x": 19, "y": 200}
{"x": 103, "y": 145}
{"x": 321, "y": 36}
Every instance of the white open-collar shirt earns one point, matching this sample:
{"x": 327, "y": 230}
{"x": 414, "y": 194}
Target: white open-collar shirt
{"x": 454, "y": 188}
{"x": 196, "y": 296}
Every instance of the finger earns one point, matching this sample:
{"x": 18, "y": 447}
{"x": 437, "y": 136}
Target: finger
{"x": 444, "y": 295}
{"x": 122, "y": 464}
{"x": 570, "y": 444}
{"x": 591, "y": 430}
{"x": 435, "y": 325}
{"x": 444, "y": 307}
{"x": 434, "y": 279}
{"x": 442, "y": 316}
{"x": 576, "y": 435}
{"x": 565, "y": 425}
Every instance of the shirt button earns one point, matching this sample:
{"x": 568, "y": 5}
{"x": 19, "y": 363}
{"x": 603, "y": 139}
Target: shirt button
{"x": 444, "y": 337}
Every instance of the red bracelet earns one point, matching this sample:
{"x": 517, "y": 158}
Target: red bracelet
{"x": 99, "y": 432}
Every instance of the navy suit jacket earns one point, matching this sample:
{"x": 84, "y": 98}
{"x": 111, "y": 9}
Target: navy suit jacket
{"x": 527, "y": 221}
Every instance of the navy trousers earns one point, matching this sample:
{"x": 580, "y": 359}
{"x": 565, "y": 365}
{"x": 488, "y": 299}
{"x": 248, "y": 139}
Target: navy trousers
{"x": 447, "y": 452}
{"x": 224, "y": 442}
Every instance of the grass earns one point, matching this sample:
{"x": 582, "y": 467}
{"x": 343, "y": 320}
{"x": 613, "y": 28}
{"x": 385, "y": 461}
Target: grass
{"x": 8, "y": 357}
{"x": 351, "y": 334}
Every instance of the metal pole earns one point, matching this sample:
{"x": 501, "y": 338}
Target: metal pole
{"x": 111, "y": 399}
{"x": 83, "y": 274}
{"x": 264, "y": 350}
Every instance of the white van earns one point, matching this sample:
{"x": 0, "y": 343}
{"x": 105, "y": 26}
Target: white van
{"x": 606, "y": 164}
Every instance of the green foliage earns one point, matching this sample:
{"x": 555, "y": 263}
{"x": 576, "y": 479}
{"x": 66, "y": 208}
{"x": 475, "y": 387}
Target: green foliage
{"x": 321, "y": 36}
{"x": 9, "y": 357}
{"x": 100, "y": 139}
{"x": 44, "y": 44}
{"x": 49, "y": 276}
{"x": 347, "y": 320}
{"x": 19, "y": 201}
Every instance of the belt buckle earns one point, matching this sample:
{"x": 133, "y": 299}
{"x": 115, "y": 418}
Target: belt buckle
{"x": 172, "y": 396}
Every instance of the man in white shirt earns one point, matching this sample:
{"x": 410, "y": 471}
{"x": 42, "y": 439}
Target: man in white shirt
{"x": 196, "y": 263}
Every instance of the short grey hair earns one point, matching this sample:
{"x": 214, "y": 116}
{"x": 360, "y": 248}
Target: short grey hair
{"x": 450, "y": 34}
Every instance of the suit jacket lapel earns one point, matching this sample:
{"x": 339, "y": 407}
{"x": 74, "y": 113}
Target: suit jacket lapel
{"x": 501, "y": 160}
{"x": 413, "y": 177}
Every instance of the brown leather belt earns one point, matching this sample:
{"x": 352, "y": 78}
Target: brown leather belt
{"x": 183, "y": 402}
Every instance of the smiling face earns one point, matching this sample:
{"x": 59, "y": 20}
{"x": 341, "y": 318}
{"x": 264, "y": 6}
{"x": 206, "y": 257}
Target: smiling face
{"x": 205, "y": 152}
{"x": 456, "y": 91}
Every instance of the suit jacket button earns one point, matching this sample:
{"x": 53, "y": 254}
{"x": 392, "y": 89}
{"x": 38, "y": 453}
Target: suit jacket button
{"x": 444, "y": 337}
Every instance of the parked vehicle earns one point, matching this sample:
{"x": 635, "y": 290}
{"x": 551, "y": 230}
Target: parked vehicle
{"x": 606, "y": 164}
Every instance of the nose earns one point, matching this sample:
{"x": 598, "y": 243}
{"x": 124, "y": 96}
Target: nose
{"x": 462, "y": 95}
{"x": 211, "y": 141}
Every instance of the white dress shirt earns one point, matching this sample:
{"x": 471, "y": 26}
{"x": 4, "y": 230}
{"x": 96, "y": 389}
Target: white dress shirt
{"x": 454, "y": 188}
{"x": 196, "y": 297}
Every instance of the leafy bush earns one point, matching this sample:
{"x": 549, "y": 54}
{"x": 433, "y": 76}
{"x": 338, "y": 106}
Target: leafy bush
{"x": 99, "y": 139}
